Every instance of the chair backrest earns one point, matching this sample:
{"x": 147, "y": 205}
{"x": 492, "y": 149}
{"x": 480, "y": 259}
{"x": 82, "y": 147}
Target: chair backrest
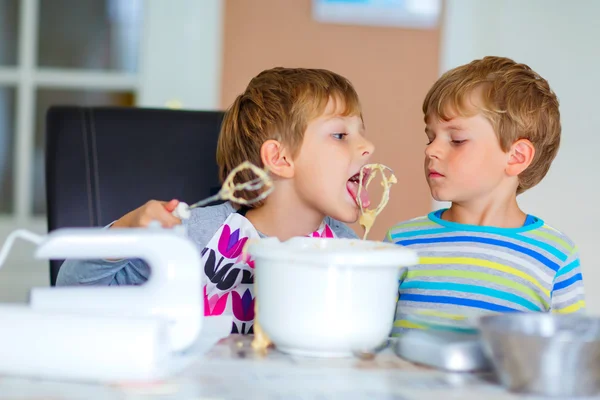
{"x": 102, "y": 162}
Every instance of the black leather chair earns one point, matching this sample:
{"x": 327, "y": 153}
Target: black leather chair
{"x": 102, "y": 162}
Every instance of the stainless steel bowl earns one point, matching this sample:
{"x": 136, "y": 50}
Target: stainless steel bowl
{"x": 544, "y": 354}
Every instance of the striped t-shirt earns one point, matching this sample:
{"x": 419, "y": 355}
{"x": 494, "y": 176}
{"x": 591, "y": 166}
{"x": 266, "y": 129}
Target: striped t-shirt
{"x": 467, "y": 270}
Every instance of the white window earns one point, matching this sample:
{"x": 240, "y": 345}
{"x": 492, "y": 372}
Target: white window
{"x": 89, "y": 52}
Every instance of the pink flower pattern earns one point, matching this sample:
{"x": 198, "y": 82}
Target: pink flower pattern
{"x": 326, "y": 233}
{"x": 230, "y": 244}
{"x": 214, "y": 305}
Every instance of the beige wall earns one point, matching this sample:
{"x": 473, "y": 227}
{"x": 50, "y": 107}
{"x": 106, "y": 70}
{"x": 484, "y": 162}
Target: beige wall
{"x": 391, "y": 69}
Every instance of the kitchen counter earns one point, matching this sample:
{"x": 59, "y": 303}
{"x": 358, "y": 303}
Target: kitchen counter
{"x": 231, "y": 370}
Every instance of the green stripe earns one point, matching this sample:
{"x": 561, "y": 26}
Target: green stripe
{"x": 553, "y": 238}
{"x": 479, "y": 276}
{"x": 414, "y": 224}
{"x": 438, "y": 326}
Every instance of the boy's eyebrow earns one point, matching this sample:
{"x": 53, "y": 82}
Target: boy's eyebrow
{"x": 362, "y": 126}
{"x": 448, "y": 128}
{"x": 333, "y": 118}
{"x": 454, "y": 128}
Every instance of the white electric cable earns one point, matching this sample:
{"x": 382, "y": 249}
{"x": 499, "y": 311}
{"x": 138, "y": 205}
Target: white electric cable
{"x": 19, "y": 233}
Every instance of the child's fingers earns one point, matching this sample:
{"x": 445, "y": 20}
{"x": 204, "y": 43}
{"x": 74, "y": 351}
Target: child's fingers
{"x": 165, "y": 214}
{"x": 171, "y": 221}
{"x": 170, "y": 205}
{"x": 158, "y": 211}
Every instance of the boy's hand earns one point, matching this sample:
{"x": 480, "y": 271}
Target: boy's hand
{"x": 151, "y": 211}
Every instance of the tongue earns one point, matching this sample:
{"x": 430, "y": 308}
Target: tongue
{"x": 364, "y": 196}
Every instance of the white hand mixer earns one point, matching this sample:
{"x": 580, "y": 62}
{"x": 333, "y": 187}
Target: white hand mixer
{"x": 122, "y": 333}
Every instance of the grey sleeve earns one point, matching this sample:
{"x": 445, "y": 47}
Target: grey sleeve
{"x": 201, "y": 227}
{"x": 340, "y": 229}
{"x": 103, "y": 272}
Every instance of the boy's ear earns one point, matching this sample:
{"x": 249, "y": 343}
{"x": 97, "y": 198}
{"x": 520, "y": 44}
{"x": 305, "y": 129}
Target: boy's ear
{"x": 276, "y": 159}
{"x": 520, "y": 155}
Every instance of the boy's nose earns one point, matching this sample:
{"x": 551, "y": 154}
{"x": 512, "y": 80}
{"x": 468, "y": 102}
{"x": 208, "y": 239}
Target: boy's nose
{"x": 432, "y": 150}
{"x": 367, "y": 148}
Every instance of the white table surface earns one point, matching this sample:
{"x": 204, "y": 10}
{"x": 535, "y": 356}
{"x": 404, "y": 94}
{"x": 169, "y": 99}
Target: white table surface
{"x": 231, "y": 370}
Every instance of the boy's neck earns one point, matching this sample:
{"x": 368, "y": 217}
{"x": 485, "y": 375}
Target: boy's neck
{"x": 501, "y": 214}
{"x": 285, "y": 217}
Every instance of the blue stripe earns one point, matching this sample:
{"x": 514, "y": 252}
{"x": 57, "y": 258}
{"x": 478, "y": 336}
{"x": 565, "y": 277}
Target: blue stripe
{"x": 548, "y": 247}
{"x": 567, "y": 283}
{"x": 568, "y": 268}
{"x": 455, "y": 300}
{"x": 545, "y": 246}
{"x": 435, "y": 216}
{"x": 421, "y": 232}
{"x": 453, "y": 239}
{"x": 459, "y": 287}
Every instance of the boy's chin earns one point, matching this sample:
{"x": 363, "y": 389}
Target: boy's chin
{"x": 439, "y": 196}
{"x": 347, "y": 216}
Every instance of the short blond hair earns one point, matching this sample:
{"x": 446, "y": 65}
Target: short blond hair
{"x": 278, "y": 104}
{"x": 515, "y": 99}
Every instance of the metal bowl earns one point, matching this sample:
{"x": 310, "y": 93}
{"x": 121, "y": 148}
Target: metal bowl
{"x": 544, "y": 354}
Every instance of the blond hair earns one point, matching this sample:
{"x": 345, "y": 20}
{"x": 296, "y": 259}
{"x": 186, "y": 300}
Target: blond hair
{"x": 278, "y": 104}
{"x": 515, "y": 99}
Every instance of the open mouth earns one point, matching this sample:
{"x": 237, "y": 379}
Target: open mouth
{"x": 353, "y": 184}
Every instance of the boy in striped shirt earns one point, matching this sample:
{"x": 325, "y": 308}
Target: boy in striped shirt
{"x": 493, "y": 129}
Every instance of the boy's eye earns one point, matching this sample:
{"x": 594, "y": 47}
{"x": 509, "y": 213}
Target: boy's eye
{"x": 339, "y": 136}
{"x": 457, "y": 142}
{"x": 429, "y": 141}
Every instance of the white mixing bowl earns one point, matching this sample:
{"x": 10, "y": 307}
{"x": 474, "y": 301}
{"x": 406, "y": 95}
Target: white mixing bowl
{"x": 327, "y": 297}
